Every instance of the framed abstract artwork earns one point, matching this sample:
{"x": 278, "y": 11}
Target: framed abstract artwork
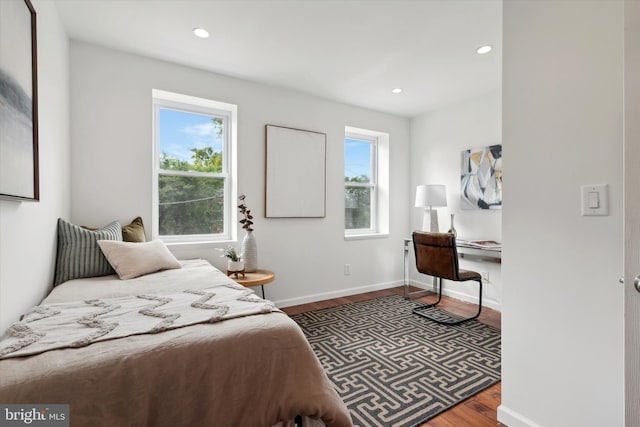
{"x": 19, "y": 175}
{"x": 295, "y": 173}
{"x": 481, "y": 178}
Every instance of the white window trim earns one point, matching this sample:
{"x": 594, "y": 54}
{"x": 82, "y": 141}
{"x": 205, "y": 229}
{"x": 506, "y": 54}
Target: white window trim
{"x": 203, "y": 106}
{"x": 381, "y": 227}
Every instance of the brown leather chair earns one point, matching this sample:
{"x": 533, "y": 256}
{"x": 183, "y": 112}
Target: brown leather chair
{"x": 437, "y": 256}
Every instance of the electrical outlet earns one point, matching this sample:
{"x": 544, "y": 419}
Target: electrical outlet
{"x": 485, "y": 276}
{"x": 347, "y": 269}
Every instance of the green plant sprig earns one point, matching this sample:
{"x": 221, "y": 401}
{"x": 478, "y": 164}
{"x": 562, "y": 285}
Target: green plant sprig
{"x": 230, "y": 252}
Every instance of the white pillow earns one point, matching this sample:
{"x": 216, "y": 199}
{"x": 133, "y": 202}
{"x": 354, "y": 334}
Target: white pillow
{"x": 131, "y": 259}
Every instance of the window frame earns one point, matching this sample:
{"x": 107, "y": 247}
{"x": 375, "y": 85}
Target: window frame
{"x": 194, "y": 105}
{"x": 372, "y": 184}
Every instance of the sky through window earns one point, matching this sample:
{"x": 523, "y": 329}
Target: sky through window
{"x": 357, "y": 158}
{"x": 181, "y": 131}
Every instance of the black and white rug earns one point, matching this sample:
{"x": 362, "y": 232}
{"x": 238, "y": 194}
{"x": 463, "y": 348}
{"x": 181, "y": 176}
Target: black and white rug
{"x": 393, "y": 368}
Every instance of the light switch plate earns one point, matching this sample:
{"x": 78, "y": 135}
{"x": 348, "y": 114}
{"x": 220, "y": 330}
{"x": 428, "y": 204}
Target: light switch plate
{"x": 595, "y": 199}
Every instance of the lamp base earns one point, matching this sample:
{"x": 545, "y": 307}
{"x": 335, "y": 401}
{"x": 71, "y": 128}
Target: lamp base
{"x": 434, "y": 221}
{"x": 430, "y": 221}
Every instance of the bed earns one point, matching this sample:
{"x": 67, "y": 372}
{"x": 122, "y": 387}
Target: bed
{"x": 245, "y": 370}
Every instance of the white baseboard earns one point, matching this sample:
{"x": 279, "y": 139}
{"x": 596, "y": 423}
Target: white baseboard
{"x": 378, "y": 286}
{"x": 513, "y": 419}
{"x": 490, "y": 303}
{"x": 335, "y": 294}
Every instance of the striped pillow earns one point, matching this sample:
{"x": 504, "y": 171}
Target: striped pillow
{"x": 78, "y": 252}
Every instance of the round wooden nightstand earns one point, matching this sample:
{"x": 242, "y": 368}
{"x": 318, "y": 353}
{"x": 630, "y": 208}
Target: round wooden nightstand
{"x": 259, "y": 277}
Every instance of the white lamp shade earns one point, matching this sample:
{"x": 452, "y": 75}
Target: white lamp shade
{"x": 431, "y": 195}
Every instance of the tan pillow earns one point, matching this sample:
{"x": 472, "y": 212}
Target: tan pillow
{"x": 134, "y": 232}
{"x": 131, "y": 260}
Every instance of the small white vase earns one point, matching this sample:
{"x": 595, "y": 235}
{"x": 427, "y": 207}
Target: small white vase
{"x": 250, "y": 253}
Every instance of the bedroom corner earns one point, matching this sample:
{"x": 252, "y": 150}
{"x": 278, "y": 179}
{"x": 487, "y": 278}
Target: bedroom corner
{"x": 27, "y": 229}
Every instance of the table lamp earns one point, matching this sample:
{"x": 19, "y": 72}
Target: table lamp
{"x": 431, "y": 196}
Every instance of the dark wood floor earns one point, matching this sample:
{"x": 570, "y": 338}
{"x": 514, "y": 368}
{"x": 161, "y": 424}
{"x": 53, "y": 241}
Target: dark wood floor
{"x": 477, "y": 411}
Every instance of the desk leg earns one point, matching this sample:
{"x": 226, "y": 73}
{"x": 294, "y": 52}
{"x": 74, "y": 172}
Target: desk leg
{"x": 262, "y": 287}
{"x": 405, "y": 280}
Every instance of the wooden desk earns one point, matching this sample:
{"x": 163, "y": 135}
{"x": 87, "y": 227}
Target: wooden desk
{"x": 259, "y": 277}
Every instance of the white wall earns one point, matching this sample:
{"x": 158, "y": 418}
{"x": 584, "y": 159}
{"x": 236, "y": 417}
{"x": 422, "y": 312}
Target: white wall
{"x": 437, "y": 141}
{"x": 562, "y": 126}
{"x": 111, "y": 168}
{"x": 28, "y": 230}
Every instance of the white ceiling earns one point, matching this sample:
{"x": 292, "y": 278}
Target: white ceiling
{"x": 350, "y": 51}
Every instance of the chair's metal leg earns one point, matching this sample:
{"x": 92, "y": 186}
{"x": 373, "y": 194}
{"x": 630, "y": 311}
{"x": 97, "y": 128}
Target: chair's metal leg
{"x": 439, "y": 284}
{"x": 419, "y": 310}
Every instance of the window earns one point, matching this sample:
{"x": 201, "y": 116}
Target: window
{"x": 194, "y": 188}
{"x": 360, "y": 183}
{"x": 366, "y": 184}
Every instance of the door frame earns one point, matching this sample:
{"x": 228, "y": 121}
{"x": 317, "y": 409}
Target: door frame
{"x": 631, "y": 210}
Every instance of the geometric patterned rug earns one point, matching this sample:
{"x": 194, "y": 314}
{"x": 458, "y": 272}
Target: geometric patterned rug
{"x": 394, "y": 368}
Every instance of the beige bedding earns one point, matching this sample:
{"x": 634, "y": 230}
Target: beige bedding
{"x": 255, "y": 370}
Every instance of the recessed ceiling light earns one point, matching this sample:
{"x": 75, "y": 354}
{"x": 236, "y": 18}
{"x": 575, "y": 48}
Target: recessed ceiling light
{"x": 484, "y": 49}
{"x": 201, "y": 32}
{"x": 396, "y": 90}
